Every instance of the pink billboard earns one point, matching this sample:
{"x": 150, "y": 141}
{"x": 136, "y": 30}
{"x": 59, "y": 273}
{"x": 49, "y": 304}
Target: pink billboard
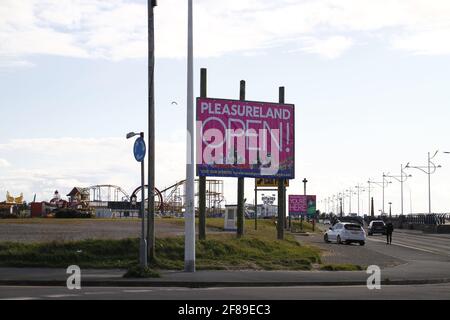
{"x": 297, "y": 204}
{"x": 245, "y": 139}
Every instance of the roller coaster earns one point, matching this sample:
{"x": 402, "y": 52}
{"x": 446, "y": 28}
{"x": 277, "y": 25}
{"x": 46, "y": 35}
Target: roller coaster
{"x": 170, "y": 200}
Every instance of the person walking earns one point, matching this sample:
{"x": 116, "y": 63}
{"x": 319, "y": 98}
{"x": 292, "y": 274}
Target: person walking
{"x": 389, "y": 231}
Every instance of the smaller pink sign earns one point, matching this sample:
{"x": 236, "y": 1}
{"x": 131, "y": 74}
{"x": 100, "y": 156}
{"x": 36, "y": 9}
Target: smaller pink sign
{"x": 297, "y": 204}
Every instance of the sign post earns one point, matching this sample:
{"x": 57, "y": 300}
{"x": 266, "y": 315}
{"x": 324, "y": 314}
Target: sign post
{"x": 139, "y": 151}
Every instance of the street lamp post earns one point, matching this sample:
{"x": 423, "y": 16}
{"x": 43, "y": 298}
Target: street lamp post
{"x": 358, "y": 187}
{"x": 383, "y": 185}
{"x": 390, "y": 209}
{"x": 429, "y": 171}
{"x": 349, "y": 195}
{"x": 402, "y": 178}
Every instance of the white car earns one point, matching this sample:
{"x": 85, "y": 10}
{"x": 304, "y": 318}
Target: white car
{"x": 345, "y": 232}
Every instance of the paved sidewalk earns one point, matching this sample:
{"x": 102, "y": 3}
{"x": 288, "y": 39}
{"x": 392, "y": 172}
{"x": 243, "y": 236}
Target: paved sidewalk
{"x": 419, "y": 272}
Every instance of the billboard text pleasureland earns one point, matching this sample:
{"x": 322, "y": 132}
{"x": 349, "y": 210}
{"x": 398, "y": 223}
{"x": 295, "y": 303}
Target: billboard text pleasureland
{"x": 245, "y": 139}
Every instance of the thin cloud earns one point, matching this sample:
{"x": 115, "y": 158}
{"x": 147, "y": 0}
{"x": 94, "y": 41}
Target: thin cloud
{"x": 4, "y": 163}
{"x": 117, "y": 29}
{"x": 328, "y": 48}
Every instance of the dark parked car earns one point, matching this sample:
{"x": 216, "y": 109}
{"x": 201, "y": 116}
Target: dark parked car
{"x": 376, "y": 226}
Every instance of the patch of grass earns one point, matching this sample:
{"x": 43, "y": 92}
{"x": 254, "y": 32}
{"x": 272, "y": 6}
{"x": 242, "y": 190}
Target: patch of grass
{"x": 307, "y": 227}
{"x": 257, "y": 250}
{"x": 341, "y": 267}
{"x": 139, "y": 272}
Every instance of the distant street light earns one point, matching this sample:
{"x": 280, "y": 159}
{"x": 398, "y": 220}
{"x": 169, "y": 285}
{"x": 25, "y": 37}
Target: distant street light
{"x": 358, "y": 187}
{"x": 401, "y": 178}
{"x": 382, "y": 184}
{"x": 431, "y": 168}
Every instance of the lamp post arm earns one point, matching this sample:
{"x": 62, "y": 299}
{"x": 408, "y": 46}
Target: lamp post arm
{"x": 419, "y": 168}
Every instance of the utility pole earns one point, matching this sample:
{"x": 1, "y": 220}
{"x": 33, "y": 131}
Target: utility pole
{"x": 151, "y": 133}
{"x": 189, "y": 214}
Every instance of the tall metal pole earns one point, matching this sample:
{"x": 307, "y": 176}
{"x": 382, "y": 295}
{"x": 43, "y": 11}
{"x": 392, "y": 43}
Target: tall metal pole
{"x": 189, "y": 215}
{"x": 401, "y": 187}
{"x": 358, "y": 187}
{"x": 350, "y": 204}
{"x": 429, "y": 184}
{"x": 383, "y": 193}
{"x": 151, "y": 133}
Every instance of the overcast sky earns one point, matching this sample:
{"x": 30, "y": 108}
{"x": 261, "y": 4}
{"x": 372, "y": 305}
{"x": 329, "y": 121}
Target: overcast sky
{"x": 369, "y": 80}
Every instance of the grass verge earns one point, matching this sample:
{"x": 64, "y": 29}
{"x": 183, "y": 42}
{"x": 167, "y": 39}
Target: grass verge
{"x": 257, "y": 250}
{"x": 139, "y": 272}
{"x": 341, "y": 267}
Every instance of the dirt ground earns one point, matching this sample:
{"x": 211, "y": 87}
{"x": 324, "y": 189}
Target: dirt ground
{"x": 45, "y": 230}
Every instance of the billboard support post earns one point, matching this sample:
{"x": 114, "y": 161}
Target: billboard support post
{"x": 281, "y": 191}
{"x": 256, "y": 206}
{"x": 241, "y": 185}
{"x": 202, "y": 179}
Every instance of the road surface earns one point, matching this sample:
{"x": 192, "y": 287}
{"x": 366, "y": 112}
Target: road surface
{"x": 435, "y": 292}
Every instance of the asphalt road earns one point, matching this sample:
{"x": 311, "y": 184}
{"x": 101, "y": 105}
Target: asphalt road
{"x": 437, "y": 244}
{"x": 433, "y": 292}
{"x": 407, "y": 246}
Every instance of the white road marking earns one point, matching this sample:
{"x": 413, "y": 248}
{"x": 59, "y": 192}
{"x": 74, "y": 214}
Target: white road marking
{"x": 61, "y": 295}
{"x": 21, "y": 298}
{"x": 400, "y": 244}
{"x": 97, "y": 293}
{"x": 137, "y": 291}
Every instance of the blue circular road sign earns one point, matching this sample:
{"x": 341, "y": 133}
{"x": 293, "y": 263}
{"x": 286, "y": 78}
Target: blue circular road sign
{"x": 139, "y": 149}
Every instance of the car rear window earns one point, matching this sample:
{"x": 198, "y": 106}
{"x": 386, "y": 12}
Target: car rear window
{"x": 378, "y": 224}
{"x": 352, "y": 227}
